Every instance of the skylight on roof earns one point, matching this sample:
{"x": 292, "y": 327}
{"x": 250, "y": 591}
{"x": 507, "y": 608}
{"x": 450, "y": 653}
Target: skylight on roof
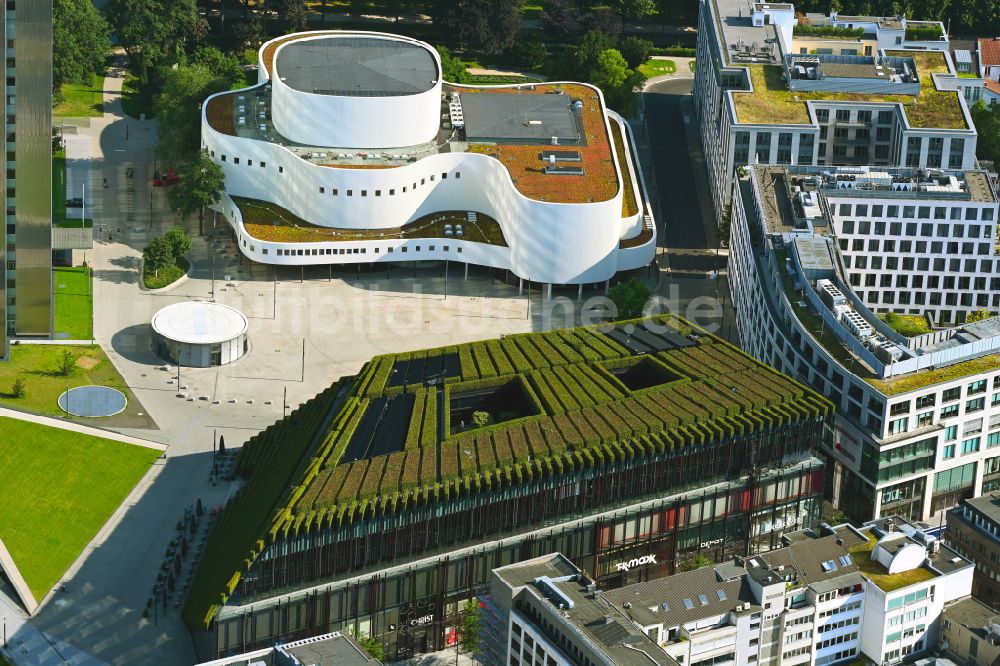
{"x": 829, "y": 565}
{"x": 666, "y": 606}
{"x": 703, "y": 599}
{"x": 722, "y": 595}
{"x": 845, "y": 560}
{"x": 688, "y": 604}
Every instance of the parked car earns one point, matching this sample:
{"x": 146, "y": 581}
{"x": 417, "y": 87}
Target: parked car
{"x": 75, "y": 202}
{"x": 168, "y": 177}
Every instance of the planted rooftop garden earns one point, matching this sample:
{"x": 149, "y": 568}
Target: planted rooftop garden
{"x": 267, "y": 221}
{"x": 600, "y": 179}
{"x": 772, "y": 103}
{"x": 428, "y": 427}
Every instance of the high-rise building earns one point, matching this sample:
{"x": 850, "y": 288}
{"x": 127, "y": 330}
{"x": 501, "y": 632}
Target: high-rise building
{"x": 974, "y": 531}
{"x": 774, "y": 86}
{"x": 27, "y": 238}
{"x": 854, "y": 280}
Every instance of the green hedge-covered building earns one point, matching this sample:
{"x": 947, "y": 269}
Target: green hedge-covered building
{"x": 384, "y": 502}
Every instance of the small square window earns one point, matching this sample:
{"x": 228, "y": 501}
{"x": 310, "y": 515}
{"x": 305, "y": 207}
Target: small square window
{"x": 213, "y": 153}
{"x": 432, "y": 179}
{"x": 263, "y": 164}
{"x": 444, "y": 176}
{"x": 350, "y": 193}
{"x": 445, "y": 248}
{"x": 431, "y": 248}
{"x": 322, "y": 190}
{"x": 223, "y": 158}
{"x": 404, "y": 188}
{"x": 335, "y": 191}
{"x": 416, "y": 249}
{"x": 375, "y": 250}
{"x": 390, "y": 250}
{"x": 458, "y": 174}
{"x": 364, "y": 193}
{"x": 423, "y": 181}
{"x": 414, "y": 186}
{"x": 281, "y": 169}
{"x": 403, "y": 249}
{"x": 459, "y": 250}
{"x": 236, "y": 160}
{"x": 264, "y": 250}
{"x": 249, "y": 162}
{"x": 329, "y": 251}
{"x": 378, "y": 193}
{"x": 392, "y": 192}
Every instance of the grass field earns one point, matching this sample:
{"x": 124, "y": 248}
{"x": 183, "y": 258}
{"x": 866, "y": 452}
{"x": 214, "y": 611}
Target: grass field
{"x": 59, "y": 197}
{"x": 80, "y": 101}
{"x": 73, "y": 305}
{"x": 657, "y": 67}
{"x": 58, "y": 488}
{"x": 37, "y": 365}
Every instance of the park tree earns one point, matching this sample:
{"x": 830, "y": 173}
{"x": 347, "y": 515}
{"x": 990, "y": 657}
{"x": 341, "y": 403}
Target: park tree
{"x": 200, "y": 184}
{"x": 452, "y": 69}
{"x": 489, "y": 25}
{"x": 177, "y": 108}
{"x": 223, "y": 65}
{"x": 557, "y": 20}
{"x": 634, "y": 10}
{"x": 528, "y": 53}
{"x": 635, "y": 50}
{"x": 19, "y": 389}
{"x": 292, "y": 12}
{"x": 157, "y": 255}
{"x": 603, "y": 20}
{"x": 154, "y": 33}
{"x": 630, "y": 298}
{"x": 613, "y": 76}
{"x": 66, "y": 363}
{"x": 80, "y": 42}
{"x": 179, "y": 243}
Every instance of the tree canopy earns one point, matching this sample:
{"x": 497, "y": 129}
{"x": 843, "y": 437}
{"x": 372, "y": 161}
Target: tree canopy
{"x": 177, "y": 108}
{"x": 630, "y": 298}
{"x": 489, "y": 25}
{"x": 154, "y": 33}
{"x": 987, "y": 122}
{"x": 201, "y": 183}
{"x": 80, "y": 42}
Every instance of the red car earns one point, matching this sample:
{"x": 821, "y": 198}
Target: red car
{"x": 168, "y": 177}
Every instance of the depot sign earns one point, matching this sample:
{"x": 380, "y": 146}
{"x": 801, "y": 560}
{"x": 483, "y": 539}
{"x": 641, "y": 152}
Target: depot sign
{"x": 637, "y": 562}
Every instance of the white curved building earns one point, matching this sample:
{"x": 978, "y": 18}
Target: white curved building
{"x": 199, "y": 334}
{"x": 351, "y": 149}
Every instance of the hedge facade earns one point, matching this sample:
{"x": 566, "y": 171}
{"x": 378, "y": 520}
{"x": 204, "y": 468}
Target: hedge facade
{"x": 584, "y": 424}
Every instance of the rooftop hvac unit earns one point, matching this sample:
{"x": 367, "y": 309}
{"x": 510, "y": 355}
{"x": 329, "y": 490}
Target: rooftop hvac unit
{"x": 830, "y": 294}
{"x": 555, "y": 142}
{"x": 856, "y": 324}
{"x": 885, "y": 350}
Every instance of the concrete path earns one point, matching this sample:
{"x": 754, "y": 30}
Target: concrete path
{"x": 77, "y": 427}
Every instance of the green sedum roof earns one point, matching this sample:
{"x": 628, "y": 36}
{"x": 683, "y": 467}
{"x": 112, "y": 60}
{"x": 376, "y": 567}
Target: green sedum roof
{"x": 576, "y": 411}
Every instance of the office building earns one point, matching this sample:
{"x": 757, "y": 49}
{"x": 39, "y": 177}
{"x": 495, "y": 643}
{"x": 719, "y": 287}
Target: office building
{"x": 776, "y": 87}
{"x": 333, "y": 649}
{"x": 822, "y": 260}
{"x": 974, "y": 531}
{"x": 383, "y": 504}
{"x": 970, "y": 632}
{"x": 26, "y": 305}
{"x": 824, "y": 597}
{"x": 352, "y": 149}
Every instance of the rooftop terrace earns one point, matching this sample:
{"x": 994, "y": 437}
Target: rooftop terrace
{"x": 772, "y": 102}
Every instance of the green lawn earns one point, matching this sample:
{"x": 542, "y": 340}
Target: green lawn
{"x": 73, "y": 304}
{"x": 59, "y": 197}
{"x": 81, "y": 100}
{"x": 657, "y": 67}
{"x": 57, "y": 488}
{"x": 165, "y": 277}
{"x": 135, "y": 101}
{"x": 36, "y": 365}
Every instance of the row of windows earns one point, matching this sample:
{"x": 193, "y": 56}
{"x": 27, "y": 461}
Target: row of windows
{"x": 854, "y": 605}
{"x": 910, "y": 212}
{"x": 917, "y": 281}
{"x": 335, "y": 191}
{"x": 313, "y": 252}
{"x": 837, "y": 640}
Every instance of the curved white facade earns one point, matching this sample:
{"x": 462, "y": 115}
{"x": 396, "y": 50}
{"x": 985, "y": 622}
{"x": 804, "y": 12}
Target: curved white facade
{"x": 347, "y": 121}
{"x": 199, "y": 334}
{"x": 549, "y": 242}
